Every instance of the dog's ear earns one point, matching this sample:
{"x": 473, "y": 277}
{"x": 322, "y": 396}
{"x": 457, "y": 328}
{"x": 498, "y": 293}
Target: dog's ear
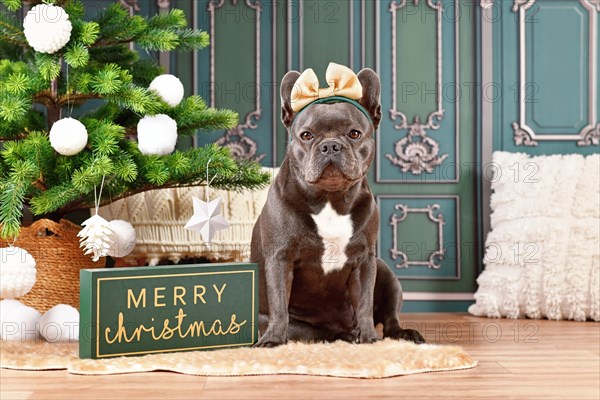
{"x": 371, "y": 93}
{"x": 287, "y": 83}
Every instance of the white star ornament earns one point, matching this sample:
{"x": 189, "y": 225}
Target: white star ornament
{"x": 207, "y": 218}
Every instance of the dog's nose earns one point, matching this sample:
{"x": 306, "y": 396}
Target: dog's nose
{"x": 330, "y": 147}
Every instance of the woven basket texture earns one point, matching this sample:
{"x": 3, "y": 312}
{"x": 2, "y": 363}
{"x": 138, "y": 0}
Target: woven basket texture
{"x": 55, "y": 248}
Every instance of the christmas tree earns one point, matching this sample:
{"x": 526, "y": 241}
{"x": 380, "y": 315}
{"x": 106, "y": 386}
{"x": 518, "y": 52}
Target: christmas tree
{"x": 55, "y": 61}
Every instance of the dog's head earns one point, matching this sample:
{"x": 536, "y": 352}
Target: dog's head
{"x": 332, "y": 144}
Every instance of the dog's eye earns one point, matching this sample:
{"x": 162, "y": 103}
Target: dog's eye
{"x": 306, "y": 136}
{"x": 354, "y": 134}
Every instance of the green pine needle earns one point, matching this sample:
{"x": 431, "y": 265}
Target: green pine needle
{"x": 12, "y": 5}
{"x": 158, "y": 40}
{"x": 48, "y": 66}
{"x": 89, "y": 32}
{"x": 107, "y": 80}
{"x": 14, "y": 108}
{"x": 77, "y": 55}
{"x": 17, "y": 83}
{"x": 190, "y": 39}
{"x": 12, "y": 198}
{"x": 174, "y": 18}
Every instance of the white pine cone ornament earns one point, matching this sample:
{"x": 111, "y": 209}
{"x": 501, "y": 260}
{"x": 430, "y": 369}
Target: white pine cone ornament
{"x": 17, "y": 272}
{"x": 47, "y": 28}
{"x": 96, "y": 237}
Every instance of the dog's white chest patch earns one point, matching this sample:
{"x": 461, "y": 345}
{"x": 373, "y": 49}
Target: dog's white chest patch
{"x": 335, "y": 230}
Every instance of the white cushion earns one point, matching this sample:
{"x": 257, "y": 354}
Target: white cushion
{"x": 542, "y": 254}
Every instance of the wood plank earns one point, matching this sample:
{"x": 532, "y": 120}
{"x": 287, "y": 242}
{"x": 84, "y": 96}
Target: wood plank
{"x": 562, "y": 362}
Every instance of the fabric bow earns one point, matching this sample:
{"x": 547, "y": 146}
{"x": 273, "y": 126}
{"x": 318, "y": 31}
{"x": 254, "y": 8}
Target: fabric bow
{"x": 342, "y": 82}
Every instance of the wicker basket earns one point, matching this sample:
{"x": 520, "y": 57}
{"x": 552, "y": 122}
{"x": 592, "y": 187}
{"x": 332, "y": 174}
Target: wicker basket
{"x": 55, "y": 248}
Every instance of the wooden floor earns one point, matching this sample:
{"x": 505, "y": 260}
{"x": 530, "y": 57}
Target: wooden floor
{"x": 521, "y": 359}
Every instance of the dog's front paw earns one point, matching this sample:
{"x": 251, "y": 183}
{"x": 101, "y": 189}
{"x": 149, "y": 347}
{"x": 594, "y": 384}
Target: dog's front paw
{"x": 369, "y": 339}
{"x": 406, "y": 334}
{"x": 369, "y": 336}
{"x": 270, "y": 340}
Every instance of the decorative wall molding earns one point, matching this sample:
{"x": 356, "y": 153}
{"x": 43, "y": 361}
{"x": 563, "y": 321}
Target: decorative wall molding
{"x": 436, "y": 256}
{"x": 418, "y": 152}
{"x": 163, "y": 4}
{"x": 524, "y": 135}
{"x": 417, "y": 156}
{"x": 242, "y": 146}
{"x": 591, "y": 137}
{"x": 132, "y": 5}
{"x": 486, "y": 4}
{"x": 522, "y": 4}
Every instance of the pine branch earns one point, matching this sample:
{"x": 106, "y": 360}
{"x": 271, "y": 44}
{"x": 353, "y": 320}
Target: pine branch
{"x": 174, "y": 18}
{"x": 192, "y": 114}
{"x": 12, "y": 197}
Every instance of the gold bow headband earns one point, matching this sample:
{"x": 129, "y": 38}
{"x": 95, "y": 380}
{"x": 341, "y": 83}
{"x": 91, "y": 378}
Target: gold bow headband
{"x": 344, "y": 86}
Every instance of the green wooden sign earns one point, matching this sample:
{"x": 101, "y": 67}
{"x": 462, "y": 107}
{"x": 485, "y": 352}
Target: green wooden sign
{"x": 143, "y": 310}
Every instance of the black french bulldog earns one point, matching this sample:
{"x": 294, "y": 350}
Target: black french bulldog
{"x": 315, "y": 238}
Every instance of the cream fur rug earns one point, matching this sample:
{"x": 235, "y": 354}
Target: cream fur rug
{"x": 380, "y": 360}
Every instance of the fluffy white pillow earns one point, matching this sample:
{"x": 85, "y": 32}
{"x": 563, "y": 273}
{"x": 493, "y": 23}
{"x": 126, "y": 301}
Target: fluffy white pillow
{"x": 542, "y": 255}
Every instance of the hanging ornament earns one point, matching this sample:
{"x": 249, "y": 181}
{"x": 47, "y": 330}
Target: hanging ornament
{"x": 60, "y": 324}
{"x": 95, "y": 237}
{"x": 47, "y": 28}
{"x": 207, "y": 218}
{"x": 157, "y": 134}
{"x": 17, "y": 272}
{"x": 169, "y": 88}
{"x": 68, "y": 136}
{"x": 123, "y": 236}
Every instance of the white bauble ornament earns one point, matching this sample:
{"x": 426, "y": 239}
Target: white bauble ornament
{"x": 47, "y": 28}
{"x": 169, "y": 88}
{"x": 123, "y": 236}
{"x": 157, "y": 134}
{"x": 68, "y": 136}
{"x": 17, "y": 272}
{"x": 20, "y": 323}
{"x": 60, "y": 324}
{"x": 6, "y": 307}
{"x": 95, "y": 237}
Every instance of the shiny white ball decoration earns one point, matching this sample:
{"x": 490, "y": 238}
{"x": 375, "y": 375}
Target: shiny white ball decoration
{"x": 123, "y": 236}
{"x": 17, "y": 272}
{"x": 169, "y": 88}
{"x": 68, "y": 136}
{"x": 47, "y": 28}
{"x": 60, "y": 324}
{"x": 20, "y": 323}
{"x": 157, "y": 134}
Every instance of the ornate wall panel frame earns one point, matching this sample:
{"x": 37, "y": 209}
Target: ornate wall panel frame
{"x": 523, "y": 134}
{"x": 242, "y": 146}
{"x": 417, "y": 152}
{"x": 436, "y": 217}
{"x": 436, "y": 256}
